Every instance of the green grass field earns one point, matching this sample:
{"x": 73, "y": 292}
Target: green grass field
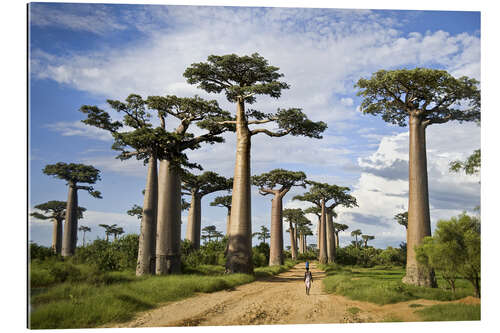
{"x": 88, "y": 299}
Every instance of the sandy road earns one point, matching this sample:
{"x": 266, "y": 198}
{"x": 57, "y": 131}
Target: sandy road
{"x": 277, "y": 300}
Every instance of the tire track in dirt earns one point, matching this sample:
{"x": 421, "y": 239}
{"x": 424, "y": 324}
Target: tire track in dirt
{"x": 276, "y": 300}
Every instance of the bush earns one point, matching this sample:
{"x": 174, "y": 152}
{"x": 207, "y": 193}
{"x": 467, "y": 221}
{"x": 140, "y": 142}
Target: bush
{"x": 39, "y": 252}
{"x": 210, "y": 253}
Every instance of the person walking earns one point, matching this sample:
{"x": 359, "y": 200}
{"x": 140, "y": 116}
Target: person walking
{"x": 308, "y": 278}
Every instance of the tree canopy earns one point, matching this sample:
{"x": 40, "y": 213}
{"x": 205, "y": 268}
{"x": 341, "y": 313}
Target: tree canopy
{"x": 205, "y": 183}
{"x": 402, "y": 218}
{"x": 75, "y": 173}
{"x": 284, "y": 178}
{"x": 296, "y": 216}
{"x": 222, "y": 201}
{"x": 327, "y": 192}
{"x": 471, "y": 166}
{"x": 432, "y": 94}
{"x": 55, "y": 209}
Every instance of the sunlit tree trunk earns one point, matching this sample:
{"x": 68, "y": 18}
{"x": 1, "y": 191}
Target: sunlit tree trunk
{"x": 57, "y": 229}
{"x": 228, "y": 221}
{"x": 70, "y": 224}
{"x": 323, "y": 255}
{"x": 239, "y": 256}
{"x": 147, "y": 239}
{"x": 168, "y": 237}
{"x": 276, "y": 241}
{"x": 419, "y": 224}
{"x": 193, "y": 231}
{"x": 293, "y": 245}
{"x": 330, "y": 237}
{"x": 337, "y": 239}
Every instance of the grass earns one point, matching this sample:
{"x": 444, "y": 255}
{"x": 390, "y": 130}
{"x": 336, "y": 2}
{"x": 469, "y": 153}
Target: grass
{"x": 451, "y": 312}
{"x": 353, "y": 310}
{"x": 76, "y": 296}
{"x": 382, "y": 285}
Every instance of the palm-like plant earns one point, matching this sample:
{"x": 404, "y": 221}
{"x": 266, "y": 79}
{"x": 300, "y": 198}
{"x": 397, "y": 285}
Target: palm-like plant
{"x": 84, "y": 229}
{"x": 263, "y": 234}
{"x": 355, "y": 234}
{"x": 108, "y": 229}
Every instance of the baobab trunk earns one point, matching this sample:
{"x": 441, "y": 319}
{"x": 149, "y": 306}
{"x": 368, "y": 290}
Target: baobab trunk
{"x": 70, "y": 225}
{"x": 193, "y": 231}
{"x": 228, "y": 222}
{"x": 419, "y": 225}
{"x": 147, "y": 239}
{"x": 57, "y": 229}
{"x": 330, "y": 238}
{"x": 276, "y": 241}
{"x": 168, "y": 258}
{"x": 337, "y": 239}
{"x": 239, "y": 256}
{"x": 301, "y": 243}
{"x": 323, "y": 256}
{"x": 293, "y": 246}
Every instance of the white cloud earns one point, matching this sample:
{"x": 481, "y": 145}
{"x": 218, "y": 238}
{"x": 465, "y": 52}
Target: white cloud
{"x": 77, "y": 128}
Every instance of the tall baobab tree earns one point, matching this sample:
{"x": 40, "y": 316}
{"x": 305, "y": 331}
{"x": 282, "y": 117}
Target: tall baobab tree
{"x": 339, "y": 227}
{"x": 210, "y": 232}
{"x": 316, "y": 210}
{"x": 84, "y": 229}
{"x": 277, "y": 182}
{"x": 356, "y": 233}
{"x": 263, "y": 234}
{"x": 295, "y": 217}
{"x": 73, "y": 174}
{"x": 241, "y": 79}
{"x": 55, "y": 211}
{"x": 303, "y": 230}
{"x": 418, "y": 98}
{"x": 108, "y": 229}
{"x": 197, "y": 186}
{"x": 366, "y": 238}
{"x": 117, "y": 231}
{"x": 224, "y": 201}
{"x": 321, "y": 194}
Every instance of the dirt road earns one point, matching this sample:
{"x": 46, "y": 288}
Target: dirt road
{"x": 277, "y": 300}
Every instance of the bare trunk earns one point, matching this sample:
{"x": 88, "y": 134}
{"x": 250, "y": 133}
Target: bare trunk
{"x": 301, "y": 243}
{"x": 147, "y": 239}
{"x": 57, "y": 229}
{"x": 228, "y": 221}
{"x": 193, "y": 231}
{"x": 318, "y": 231}
{"x": 70, "y": 225}
{"x": 337, "y": 239}
{"x": 419, "y": 223}
{"x": 330, "y": 238}
{"x": 305, "y": 243}
{"x": 276, "y": 241}
{"x": 168, "y": 238}
{"x": 323, "y": 255}
{"x": 293, "y": 246}
{"x": 239, "y": 256}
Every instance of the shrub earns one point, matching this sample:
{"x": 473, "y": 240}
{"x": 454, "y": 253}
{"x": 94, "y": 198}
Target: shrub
{"x": 39, "y": 252}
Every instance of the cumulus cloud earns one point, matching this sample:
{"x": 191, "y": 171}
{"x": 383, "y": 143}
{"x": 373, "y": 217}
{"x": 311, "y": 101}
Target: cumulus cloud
{"x": 77, "y": 128}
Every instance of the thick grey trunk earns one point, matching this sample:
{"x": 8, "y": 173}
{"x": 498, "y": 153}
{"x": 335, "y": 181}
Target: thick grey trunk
{"x": 318, "y": 233}
{"x": 293, "y": 245}
{"x": 419, "y": 223}
{"x": 168, "y": 238}
{"x": 228, "y": 221}
{"x": 147, "y": 238}
{"x": 193, "y": 231}
{"x": 71, "y": 223}
{"x": 330, "y": 238}
{"x": 239, "y": 255}
{"x": 276, "y": 241}
{"x": 323, "y": 255}
{"x": 337, "y": 239}
{"x": 301, "y": 243}
{"x": 57, "y": 229}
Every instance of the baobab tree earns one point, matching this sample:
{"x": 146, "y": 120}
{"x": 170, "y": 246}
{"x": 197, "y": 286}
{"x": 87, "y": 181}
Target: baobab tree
{"x": 339, "y": 227}
{"x": 366, "y": 238}
{"x": 117, "y": 231}
{"x": 355, "y": 234}
{"x": 418, "y": 98}
{"x": 294, "y": 216}
{"x": 277, "y": 182}
{"x": 108, "y": 229}
{"x": 241, "y": 79}
{"x": 206, "y": 115}
{"x": 55, "y": 211}
{"x": 84, "y": 229}
{"x": 210, "y": 232}
{"x": 224, "y": 201}
{"x": 321, "y": 194}
{"x": 263, "y": 234}
{"x": 316, "y": 210}
{"x": 303, "y": 230}
{"x": 402, "y": 218}
{"x": 73, "y": 174}
{"x": 197, "y": 186}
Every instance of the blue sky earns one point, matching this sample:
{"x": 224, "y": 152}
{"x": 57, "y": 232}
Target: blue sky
{"x": 87, "y": 53}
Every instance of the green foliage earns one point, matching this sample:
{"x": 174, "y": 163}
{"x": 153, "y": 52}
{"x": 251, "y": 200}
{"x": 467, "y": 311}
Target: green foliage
{"x": 260, "y": 255}
{"x": 263, "y": 234}
{"x": 295, "y": 122}
{"x": 210, "y": 253}
{"x": 286, "y": 179}
{"x": 402, "y": 218}
{"x": 471, "y": 166}
{"x": 392, "y": 257}
{"x": 454, "y": 250}
{"x": 40, "y": 252}
{"x": 222, "y": 201}
{"x": 325, "y": 192}
{"x": 451, "y": 312}
{"x": 76, "y": 173}
{"x": 435, "y": 94}
{"x": 267, "y": 271}
{"x": 237, "y": 76}
{"x": 205, "y": 183}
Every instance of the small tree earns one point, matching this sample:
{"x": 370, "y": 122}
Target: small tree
{"x": 294, "y": 216}
{"x": 117, "y": 231}
{"x": 263, "y": 234}
{"x": 366, "y": 238}
{"x": 108, "y": 229}
{"x": 73, "y": 174}
{"x": 418, "y": 98}
{"x": 56, "y": 211}
{"x": 84, "y": 229}
{"x": 402, "y": 218}
{"x": 471, "y": 166}
{"x": 209, "y": 232}
{"x": 355, "y": 234}
{"x": 454, "y": 250}
{"x": 197, "y": 186}
{"x": 277, "y": 182}
{"x": 339, "y": 227}
{"x": 241, "y": 79}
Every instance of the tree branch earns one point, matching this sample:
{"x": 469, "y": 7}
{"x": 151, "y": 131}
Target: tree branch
{"x": 252, "y": 122}
{"x": 268, "y": 132}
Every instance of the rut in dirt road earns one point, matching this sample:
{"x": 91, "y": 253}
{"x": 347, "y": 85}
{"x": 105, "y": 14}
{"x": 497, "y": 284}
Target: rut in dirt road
{"x": 275, "y": 300}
